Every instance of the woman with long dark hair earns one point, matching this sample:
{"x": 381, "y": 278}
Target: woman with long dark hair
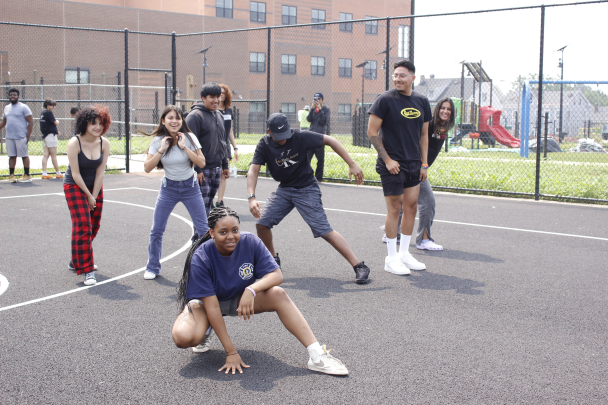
{"x": 226, "y": 110}
{"x": 88, "y": 153}
{"x": 444, "y": 116}
{"x": 175, "y": 149}
{"x": 231, "y": 273}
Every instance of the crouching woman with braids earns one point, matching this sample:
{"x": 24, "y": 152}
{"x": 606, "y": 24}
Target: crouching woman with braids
{"x": 229, "y": 273}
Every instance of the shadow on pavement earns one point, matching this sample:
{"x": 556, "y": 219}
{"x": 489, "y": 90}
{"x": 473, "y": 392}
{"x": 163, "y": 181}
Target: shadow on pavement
{"x": 320, "y": 287}
{"x": 265, "y": 369}
{"x": 113, "y": 291}
{"x": 432, "y": 281}
{"x": 459, "y": 255}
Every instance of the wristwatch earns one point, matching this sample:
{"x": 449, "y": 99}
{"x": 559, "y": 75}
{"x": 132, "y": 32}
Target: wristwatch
{"x": 250, "y": 195}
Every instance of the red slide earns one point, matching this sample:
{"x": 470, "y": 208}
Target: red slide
{"x": 503, "y": 136}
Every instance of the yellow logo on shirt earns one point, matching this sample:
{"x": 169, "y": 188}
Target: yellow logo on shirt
{"x": 410, "y": 113}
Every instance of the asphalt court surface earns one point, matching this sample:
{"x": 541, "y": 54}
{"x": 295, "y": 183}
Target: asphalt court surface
{"x": 512, "y": 311}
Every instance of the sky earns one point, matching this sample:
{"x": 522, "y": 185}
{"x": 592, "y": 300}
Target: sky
{"x": 508, "y": 42}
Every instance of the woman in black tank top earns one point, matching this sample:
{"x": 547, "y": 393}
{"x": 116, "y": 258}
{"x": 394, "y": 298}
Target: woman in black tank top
{"x": 88, "y": 155}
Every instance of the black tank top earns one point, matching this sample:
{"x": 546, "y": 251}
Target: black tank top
{"x": 88, "y": 167}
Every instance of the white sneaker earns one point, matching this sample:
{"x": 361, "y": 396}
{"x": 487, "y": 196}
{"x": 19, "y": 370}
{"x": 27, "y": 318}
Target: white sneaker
{"x": 394, "y": 265}
{"x": 327, "y": 364}
{"x": 429, "y": 245}
{"x": 148, "y": 275}
{"x": 89, "y": 278}
{"x": 410, "y": 262}
{"x": 205, "y": 344}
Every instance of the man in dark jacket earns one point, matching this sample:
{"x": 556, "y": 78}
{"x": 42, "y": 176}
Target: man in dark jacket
{"x": 318, "y": 118}
{"x": 208, "y": 125}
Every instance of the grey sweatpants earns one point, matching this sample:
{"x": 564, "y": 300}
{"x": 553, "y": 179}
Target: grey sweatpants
{"x": 426, "y": 210}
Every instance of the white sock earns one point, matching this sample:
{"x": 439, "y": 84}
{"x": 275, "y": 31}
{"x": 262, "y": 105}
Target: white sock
{"x": 425, "y": 240}
{"x": 405, "y": 243}
{"x": 391, "y": 245}
{"x": 44, "y": 173}
{"x": 208, "y": 330}
{"x": 315, "y": 351}
{"x": 57, "y": 171}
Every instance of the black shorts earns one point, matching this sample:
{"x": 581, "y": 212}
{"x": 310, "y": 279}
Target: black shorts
{"x": 394, "y": 184}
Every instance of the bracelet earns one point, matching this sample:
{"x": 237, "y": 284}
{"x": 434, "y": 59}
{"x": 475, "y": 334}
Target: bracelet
{"x": 232, "y": 354}
{"x": 235, "y": 148}
{"x": 252, "y": 290}
{"x": 424, "y": 167}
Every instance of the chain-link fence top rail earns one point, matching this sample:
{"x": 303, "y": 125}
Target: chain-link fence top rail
{"x": 280, "y": 68}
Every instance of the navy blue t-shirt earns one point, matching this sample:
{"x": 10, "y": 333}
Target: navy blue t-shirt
{"x": 288, "y": 164}
{"x": 402, "y": 120}
{"x": 227, "y": 276}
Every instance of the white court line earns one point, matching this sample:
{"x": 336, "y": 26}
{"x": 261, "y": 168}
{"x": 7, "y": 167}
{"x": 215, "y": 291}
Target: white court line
{"x": 171, "y": 256}
{"x": 3, "y": 284}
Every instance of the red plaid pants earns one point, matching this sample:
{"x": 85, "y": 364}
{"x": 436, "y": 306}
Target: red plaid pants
{"x": 85, "y": 225}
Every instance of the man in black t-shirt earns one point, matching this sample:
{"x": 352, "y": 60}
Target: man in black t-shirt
{"x": 50, "y": 137}
{"x": 398, "y": 129}
{"x": 284, "y": 151}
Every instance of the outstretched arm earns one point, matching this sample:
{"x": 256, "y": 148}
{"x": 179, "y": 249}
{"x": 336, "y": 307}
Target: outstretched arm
{"x": 252, "y": 182}
{"x": 354, "y": 169}
{"x": 373, "y": 134}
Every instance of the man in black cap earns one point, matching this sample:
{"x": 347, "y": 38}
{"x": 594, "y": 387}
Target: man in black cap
{"x": 284, "y": 151}
{"x": 318, "y": 118}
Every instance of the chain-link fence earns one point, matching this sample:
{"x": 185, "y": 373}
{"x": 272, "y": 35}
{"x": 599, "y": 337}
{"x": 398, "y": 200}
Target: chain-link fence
{"x": 492, "y": 148}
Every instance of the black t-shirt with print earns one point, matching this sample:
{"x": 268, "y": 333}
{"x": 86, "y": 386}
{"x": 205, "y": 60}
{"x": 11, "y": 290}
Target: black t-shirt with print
{"x": 47, "y": 123}
{"x": 402, "y": 120}
{"x": 435, "y": 144}
{"x": 288, "y": 164}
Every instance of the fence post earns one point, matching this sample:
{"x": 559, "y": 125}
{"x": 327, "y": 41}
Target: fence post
{"x": 268, "y": 84}
{"x": 546, "y": 131}
{"x": 412, "y": 12}
{"x": 540, "y": 101}
{"x": 388, "y": 53}
{"x": 173, "y": 69}
{"x": 127, "y": 102}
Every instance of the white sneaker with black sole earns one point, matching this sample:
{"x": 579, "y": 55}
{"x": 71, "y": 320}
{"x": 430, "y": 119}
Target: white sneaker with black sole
{"x": 328, "y": 364}
{"x": 205, "y": 344}
{"x": 394, "y": 265}
{"x": 410, "y": 262}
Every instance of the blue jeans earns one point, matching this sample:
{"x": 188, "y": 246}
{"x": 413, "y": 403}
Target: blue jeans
{"x": 171, "y": 192}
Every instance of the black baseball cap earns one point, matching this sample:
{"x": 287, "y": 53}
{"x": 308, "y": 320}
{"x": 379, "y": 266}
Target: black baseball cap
{"x": 279, "y": 126}
{"x": 319, "y": 95}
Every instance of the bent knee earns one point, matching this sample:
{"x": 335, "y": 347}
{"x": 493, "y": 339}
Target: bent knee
{"x": 181, "y": 340}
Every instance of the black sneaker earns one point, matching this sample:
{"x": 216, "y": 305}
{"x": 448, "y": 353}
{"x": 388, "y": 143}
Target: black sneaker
{"x": 71, "y": 266}
{"x": 361, "y": 273}
{"x": 278, "y": 260}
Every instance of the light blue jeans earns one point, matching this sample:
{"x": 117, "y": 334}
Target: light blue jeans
{"x": 171, "y": 192}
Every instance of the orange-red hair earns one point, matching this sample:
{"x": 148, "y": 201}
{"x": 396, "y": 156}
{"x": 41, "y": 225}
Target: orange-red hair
{"x": 228, "y": 94}
{"x": 88, "y": 115}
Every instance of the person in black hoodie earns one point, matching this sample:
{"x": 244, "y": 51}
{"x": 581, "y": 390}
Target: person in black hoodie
{"x": 318, "y": 117}
{"x": 208, "y": 125}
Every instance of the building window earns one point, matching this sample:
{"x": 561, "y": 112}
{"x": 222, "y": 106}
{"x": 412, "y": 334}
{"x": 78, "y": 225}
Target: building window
{"x": 287, "y": 108}
{"x": 404, "y": 41}
{"x": 257, "y": 107}
{"x": 345, "y": 67}
{"x": 371, "y": 27}
{"x": 317, "y": 66}
{"x": 371, "y": 70}
{"x": 288, "y": 64}
{"x": 346, "y": 27}
{"x": 318, "y": 16}
{"x": 223, "y": 8}
{"x": 72, "y": 75}
{"x": 343, "y": 112}
{"x": 289, "y": 15}
{"x": 257, "y": 62}
{"x": 257, "y": 12}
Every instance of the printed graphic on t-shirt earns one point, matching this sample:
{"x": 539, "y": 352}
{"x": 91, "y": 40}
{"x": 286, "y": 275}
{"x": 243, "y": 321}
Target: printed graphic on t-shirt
{"x": 410, "y": 113}
{"x": 246, "y": 271}
{"x": 285, "y": 159}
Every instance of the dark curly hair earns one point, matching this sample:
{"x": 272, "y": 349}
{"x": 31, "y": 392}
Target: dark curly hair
{"x": 88, "y": 115}
{"x": 215, "y": 215}
{"x": 161, "y": 131}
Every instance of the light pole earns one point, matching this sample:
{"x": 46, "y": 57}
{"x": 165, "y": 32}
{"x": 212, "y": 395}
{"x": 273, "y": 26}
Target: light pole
{"x": 205, "y": 65}
{"x": 362, "y": 65}
{"x": 561, "y": 93}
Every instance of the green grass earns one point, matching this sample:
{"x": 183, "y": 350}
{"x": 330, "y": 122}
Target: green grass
{"x": 117, "y": 147}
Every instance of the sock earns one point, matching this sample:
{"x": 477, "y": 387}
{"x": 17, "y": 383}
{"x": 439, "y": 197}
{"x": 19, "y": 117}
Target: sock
{"x": 26, "y": 170}
{"x": 208, "y": 330}
{"x": 315, "y": 351}
{"x": 44, "y": 173}
{"x": 391, "y": 245}
{"x": 405, "y": 243}
{"x": 425, "y": 240}
{"x": 11, "y": 170}
{"x": 57, "y": 171}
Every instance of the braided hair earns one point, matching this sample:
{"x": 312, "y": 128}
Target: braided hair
{"x": 215, "y": 215}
